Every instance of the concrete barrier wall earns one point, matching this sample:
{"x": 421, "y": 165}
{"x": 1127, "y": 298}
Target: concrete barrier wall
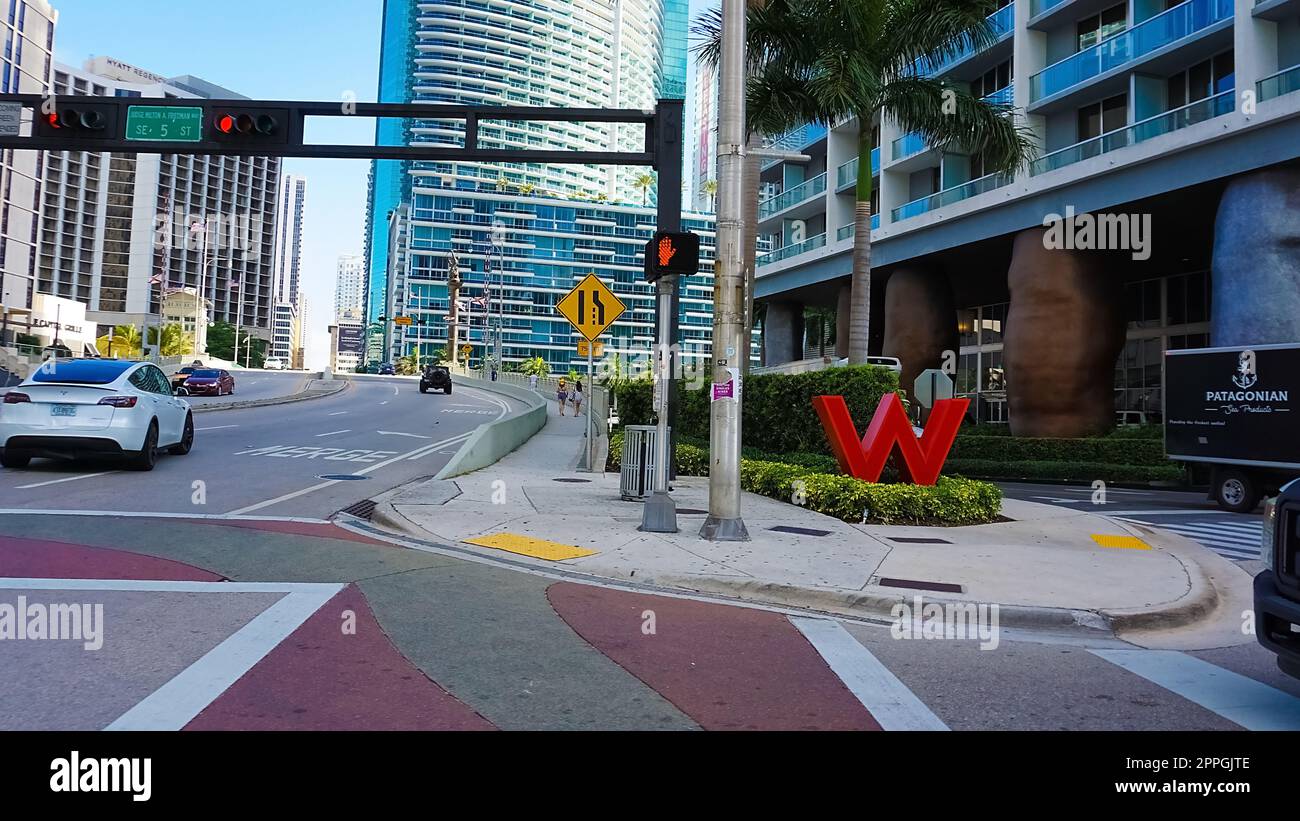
{"x": 494, "y": 440}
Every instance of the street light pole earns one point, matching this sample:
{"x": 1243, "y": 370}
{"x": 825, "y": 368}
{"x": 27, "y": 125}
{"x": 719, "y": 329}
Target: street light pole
{"x": 729, "y": 346}
{"x": 498, "y": 243}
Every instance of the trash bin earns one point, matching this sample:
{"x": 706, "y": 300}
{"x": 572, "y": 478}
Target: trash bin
{"x": 637, "y": 474}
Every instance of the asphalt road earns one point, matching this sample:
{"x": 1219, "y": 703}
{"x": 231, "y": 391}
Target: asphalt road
{"x": 1234, "y": 536}
{"x": 438, "y": 642}
{"x": 271, "y": 460}
{"x": 258, "y": 385}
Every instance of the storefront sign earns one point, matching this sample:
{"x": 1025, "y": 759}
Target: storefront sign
{"x": 922, "y": 458}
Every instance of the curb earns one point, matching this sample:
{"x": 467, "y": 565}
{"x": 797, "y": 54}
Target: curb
{"x": 275, "y": 400}
{"x": 1203, "y": 595}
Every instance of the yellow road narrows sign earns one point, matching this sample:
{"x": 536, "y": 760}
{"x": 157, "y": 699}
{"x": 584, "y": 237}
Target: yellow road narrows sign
{"x": 591, "y": 307}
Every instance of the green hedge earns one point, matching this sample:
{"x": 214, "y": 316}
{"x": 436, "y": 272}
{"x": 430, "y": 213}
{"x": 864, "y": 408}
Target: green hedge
{"x": 1148, "y": 452}
{"x": 952, "y": 501}
{"x": 1063, "y": 471}
{"x": 778, "y": 412}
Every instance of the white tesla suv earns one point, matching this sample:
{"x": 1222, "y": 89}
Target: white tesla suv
{"x": 79, "y": 407}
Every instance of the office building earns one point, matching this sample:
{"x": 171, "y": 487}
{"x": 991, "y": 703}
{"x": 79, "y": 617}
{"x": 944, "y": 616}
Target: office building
{"x": 119, "y": 231}
{"x": 25, "y": 68}
{"x": 557, "y": 222}
{"x": 349, "y": 285}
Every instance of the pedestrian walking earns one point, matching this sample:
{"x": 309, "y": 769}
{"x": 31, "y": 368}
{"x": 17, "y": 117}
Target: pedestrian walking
{"x": 577, "y": 397}
{"x": 532, "y": 381}
{"x": 562, "y": 394}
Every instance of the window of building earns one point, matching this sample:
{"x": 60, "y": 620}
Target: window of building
{"x": 1097, "y": 27}
{"x": 1104, "y": 116}
{"x": 1202, "y": 80}
{"x": 995, "y": 79}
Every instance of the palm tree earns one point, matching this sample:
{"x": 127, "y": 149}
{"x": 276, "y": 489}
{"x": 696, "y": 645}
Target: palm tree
{"x": 175, "y": 341}
{"x": 644, "y": 181}
{"x": 125, "y": 342}
{"x": 710, "y": 189}
{"x": 825, "y": 61}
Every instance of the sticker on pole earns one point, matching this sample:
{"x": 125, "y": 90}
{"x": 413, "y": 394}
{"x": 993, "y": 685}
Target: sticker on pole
{"x": 591, "y": 307}
{"x": 728, "y": 389}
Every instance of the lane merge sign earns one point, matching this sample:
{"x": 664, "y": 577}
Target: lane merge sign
{"x": 591, "y": 307}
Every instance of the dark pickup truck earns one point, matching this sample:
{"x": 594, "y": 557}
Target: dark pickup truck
{"x": 1277, "y": 587}
{"x": 435, "y": 377}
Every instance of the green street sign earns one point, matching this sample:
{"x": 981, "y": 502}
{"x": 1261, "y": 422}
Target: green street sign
{"x": 164, "y": 123}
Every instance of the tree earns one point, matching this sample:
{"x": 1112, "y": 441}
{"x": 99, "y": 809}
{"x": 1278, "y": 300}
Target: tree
{"x": 644, "y": 182}
{"x": 175, "y": 342}
{"x": 710, "y": 189}
{"x": 534, "y": 365}
{"x": 125, "y": 343}
{"x": 221, "y": 344}
{"x": 824, "y": 61}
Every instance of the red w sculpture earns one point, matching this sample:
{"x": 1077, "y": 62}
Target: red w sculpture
{"x": 923, "y": 458}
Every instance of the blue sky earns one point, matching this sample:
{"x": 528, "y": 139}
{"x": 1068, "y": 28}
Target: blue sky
{"x": 266, "y": 49}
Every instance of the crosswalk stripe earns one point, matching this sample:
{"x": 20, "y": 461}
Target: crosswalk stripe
{"x": 888, "y": 700}
{"x": 1210, "y": 534}
{"x": 1245, "y": 701}
{"x": 1213, "y": 528}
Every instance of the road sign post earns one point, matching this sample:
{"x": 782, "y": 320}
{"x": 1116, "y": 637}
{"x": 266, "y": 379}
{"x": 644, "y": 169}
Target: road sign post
{"x": 931, "y": 386}
{"x": 591, "y": 308}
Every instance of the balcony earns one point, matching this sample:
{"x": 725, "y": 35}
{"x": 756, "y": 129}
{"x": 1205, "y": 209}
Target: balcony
{"x": 1040, "y": 6}
{"x": 1003, "y": 96}
{"x": 793, "y": 250}
{"x": 906, "y": 146}
{"x": 794, "y": 140}
{"x": 1197, "y": 112}
{"x": 848, "y": 231}
{"x": 1001, "y": 21}
{"x": 1275, "y": 85}
{"x": 792, "y": 196}
{"x": 948, "y": 196}
{"x": 847, "y": 174}
{"x": 1146, "y": 37}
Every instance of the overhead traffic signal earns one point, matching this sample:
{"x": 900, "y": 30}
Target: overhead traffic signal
{"x": 672, "y": 253}
{"x": 81, "y": 120}
{"x": 251, "y": 125}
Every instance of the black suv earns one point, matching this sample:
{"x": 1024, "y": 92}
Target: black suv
{"x": 435, "y": 377}
{"x": 1277, "y": 588}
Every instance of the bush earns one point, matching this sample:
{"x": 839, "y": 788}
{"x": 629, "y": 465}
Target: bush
{"x": 952, "y": 501}
{"x": 1120, "y": 451}
{"x": 1063, "y": 471}
{"x": 778, "y": 412}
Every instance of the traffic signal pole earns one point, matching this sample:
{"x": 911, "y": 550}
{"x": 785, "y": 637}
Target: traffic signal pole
{"x": 660, "y": 512}
{"x": 730, "y": 347}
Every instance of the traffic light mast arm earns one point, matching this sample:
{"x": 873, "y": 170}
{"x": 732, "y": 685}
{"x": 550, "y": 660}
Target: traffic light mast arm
{"x": 288, "y": 137}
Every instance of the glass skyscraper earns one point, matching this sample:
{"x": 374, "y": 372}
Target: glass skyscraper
{"x": 555, "y": 223}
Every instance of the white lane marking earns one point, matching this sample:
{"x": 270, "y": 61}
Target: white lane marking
{"x": 1103, "y": 511}
{"x": 385, "y": 402}
{"x": 65, "y": 479}
{"x": 395, "y": 390}
{"x": 399, "y": 433}
{"x": 334, "y": 432}
{"x": 888, "y": 700}
{"x": 177, "y": 702}
{"x": 338, "y": 413}
{"x": 144, "y": 514}
{"x": 217, "y": 427}
{"x": 412, "y": 454}
{"x": 1242, "y": 700}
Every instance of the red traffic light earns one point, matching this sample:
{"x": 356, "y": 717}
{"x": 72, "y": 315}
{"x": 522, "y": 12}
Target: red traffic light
{"x": 244, "y": 123}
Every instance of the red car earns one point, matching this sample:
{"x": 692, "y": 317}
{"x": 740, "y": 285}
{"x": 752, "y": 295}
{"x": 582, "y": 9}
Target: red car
{"x": 210, "y": 382}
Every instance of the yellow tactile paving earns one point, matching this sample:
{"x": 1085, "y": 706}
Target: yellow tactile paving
{"x": 1127, "y": 542}
{"x": 528, "y": 546}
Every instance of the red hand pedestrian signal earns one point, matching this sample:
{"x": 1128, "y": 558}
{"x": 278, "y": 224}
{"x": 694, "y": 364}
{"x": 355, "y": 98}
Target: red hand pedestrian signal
{"x": 666, "y": 251}
{"x": 922, "y": 459}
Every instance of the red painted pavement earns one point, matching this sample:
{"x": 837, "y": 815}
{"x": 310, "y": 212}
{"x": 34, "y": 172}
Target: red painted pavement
{"x": 41, "y": 559}
{"x": 321, "y": 679}
{"x": 728, "y": 668}
{"x": 323, "y": 531}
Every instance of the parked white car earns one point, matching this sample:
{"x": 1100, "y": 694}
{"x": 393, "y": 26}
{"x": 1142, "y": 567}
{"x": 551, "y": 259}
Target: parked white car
{"x": 78, "y": 407}
{"x": 273, "y": 363}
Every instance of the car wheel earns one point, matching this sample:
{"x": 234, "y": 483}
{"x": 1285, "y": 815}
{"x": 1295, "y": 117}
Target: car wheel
{"x": 1235, "y": 490}
{"x": 11, "y": 458}
{"x": 187, "y": 438}
{"x": 423, "y": 389}
{"x": 447, "y": 389}
{"x": 146, "y": 457}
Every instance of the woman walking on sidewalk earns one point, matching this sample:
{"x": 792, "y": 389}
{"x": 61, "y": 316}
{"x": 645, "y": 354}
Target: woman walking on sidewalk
{"x": 562, "y": 394}
{"x": 577, "y": 397}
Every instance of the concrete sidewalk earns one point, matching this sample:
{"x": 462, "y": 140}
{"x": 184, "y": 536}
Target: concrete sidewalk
{"x": 1044, "y": 568}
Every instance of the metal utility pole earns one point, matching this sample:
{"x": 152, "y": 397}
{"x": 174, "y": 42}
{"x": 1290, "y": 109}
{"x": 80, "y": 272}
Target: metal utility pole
{"x": 453, "y": 312}
{"x": 659, "y": 514}
{"x": 729, "y": 345}
{"x": 498, "y": 245}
